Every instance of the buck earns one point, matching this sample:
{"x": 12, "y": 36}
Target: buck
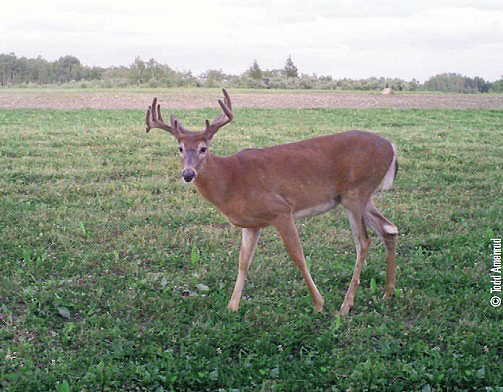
{"x": 274, "y": 186}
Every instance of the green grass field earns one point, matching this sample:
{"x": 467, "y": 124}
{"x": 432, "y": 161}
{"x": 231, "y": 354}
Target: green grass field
{"x": 102, "y": 249}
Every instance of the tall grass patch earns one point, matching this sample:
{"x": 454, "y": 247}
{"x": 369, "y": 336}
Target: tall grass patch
{"x": 115, "y": 276}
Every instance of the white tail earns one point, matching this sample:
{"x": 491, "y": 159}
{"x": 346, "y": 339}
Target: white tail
{"x": 273, "y": 186}
{"x": 391, "y": 173}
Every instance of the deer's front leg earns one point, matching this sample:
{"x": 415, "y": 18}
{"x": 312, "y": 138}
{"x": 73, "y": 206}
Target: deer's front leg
{"x": 248, "y": 244}
{"x": 288, "y": 232}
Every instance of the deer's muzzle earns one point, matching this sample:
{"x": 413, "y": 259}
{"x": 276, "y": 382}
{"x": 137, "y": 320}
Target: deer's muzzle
{"x": 188, "y": 175}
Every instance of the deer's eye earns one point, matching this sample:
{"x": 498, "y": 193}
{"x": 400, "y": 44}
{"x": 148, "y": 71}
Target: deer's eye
{"x": 202, "y": 150}
{"x": 180, "y": 149}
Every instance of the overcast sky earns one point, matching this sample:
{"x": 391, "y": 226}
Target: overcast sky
{"x": 342, "y": 38}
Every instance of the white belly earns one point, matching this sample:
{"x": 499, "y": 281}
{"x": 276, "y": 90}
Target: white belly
{"x": 315, "y": 210}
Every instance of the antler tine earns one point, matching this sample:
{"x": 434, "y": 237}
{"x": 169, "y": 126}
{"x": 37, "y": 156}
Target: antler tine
{"x": 157, "y": 112}
{"x": 181, "y": 129}
{"x": 175, "y": 123}
{"x": 227, "y": 99}
{"x": 223, "y": 118}
{"x": 147, "y": 119}
{"x": 154, "y": 109}
{"x": 154, "y": 119}
{"x": 226, "y": 105}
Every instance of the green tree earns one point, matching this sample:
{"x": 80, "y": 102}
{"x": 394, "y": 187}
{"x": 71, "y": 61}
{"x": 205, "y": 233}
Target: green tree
{"x": 255, "y": 72}
{"x": 456, "y": 83}
{"x": 213, "y": 77}
{"x": 290, "y": 70}
{"x": 68, "y": 68}
{"x": 137, "y": 70}
{"x": 7, "y": 69}
{"x": 481, "y": 85}
{"x": 497, "y": 86}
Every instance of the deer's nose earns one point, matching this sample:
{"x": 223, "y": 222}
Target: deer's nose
{"x": 188, "y": 175}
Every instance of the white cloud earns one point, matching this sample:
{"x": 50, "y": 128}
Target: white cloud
{"x": 344, "y": 38}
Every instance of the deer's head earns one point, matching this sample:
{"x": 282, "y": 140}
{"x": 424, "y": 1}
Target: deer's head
{"x": 193, "y": 146}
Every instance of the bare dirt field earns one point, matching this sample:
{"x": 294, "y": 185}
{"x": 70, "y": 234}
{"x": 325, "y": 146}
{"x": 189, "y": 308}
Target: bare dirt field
{"x": 201, "y": 98}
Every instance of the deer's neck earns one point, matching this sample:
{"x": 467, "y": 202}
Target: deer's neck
{"x": 213, "y": 180}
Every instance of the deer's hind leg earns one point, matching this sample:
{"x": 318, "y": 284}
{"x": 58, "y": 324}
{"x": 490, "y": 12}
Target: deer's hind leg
{"x": 387, "y": 231}
{"x": 362, "y": 243}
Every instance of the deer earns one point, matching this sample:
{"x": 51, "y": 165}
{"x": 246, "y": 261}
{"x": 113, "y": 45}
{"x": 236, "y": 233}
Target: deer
{"x": 273, "y": 186}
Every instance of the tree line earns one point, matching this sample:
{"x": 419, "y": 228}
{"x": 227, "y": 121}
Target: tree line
{"x": 69, "y": 71}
